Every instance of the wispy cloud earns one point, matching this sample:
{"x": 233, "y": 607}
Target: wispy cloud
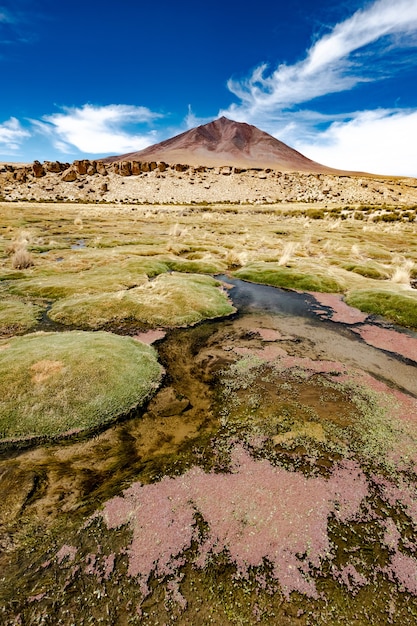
{"x": 6, "y": 17}
{"x": 333, "y": 64}
{"x": 371, "y": 45}
{"x": 99, "y": 129}
{"x": 12, "y": 134}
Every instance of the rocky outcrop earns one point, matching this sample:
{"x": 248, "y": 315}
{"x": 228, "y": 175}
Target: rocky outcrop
{"x": 53, "y": 166}
{"x": 81, "y": 166}
{"x": 152, "y": 182}
{"x": 101, "y": 168}
{"x": 136, "y": 168}
{"x": 125, "y": 168}
{"x": 38, "y": 169}
{"x": 70, "y": 175}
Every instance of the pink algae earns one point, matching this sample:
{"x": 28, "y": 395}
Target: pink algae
{"x": 267, "y": 354}
{"x": 352, "y": 579}
{"x": 269, "y": 334}
{"x": 66, "y": 552}
{"x": 341, "y": 312}
{"x": 150, "y": 336}
{"x": 390, "y": 340}
{"x": 256, "y": 514}
{"x": 404, "y": 569}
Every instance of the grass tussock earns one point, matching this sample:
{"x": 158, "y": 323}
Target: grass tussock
{"x": 22, "y": 259}
{"x": 400, "y": 308}
{"x": 170, "y": 300}
{"x": 52, "y": 383}
{"x": 17, "y": 317}
{"x": 367, "y": 270}
{"x": 197, "y": 266}
{"x": 114, "y": 276}
{"x": 287, "y": 278}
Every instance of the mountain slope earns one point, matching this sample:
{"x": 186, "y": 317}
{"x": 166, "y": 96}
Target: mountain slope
{"x": 226, "y": 142}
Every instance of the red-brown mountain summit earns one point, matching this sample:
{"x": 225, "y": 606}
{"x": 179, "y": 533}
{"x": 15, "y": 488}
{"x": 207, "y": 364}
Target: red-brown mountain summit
{"x": 226, "y": 142}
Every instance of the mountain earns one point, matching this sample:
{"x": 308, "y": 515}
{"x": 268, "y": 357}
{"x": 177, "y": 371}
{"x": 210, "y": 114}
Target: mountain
{"x": 226, "y": 142}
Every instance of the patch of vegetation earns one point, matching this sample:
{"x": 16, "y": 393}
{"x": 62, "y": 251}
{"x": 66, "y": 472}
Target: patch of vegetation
{"x": 312, "y": 418}
{"x": 17, "y": 317}
{"x": 53, "y": 383}
{"x": 288, "y": 278}
{"x": 366, "y": 270}
{"x": 105, "y": 278}
{"x": 400, "y": 308}
{"x": 170, "y": 300}
{"x": 196, "y": 266}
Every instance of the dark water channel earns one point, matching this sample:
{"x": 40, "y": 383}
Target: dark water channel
{"x": 249, "y": 297}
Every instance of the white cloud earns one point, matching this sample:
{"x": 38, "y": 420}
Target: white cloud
{"x": 373, "y": 141}
{"x": 12, "y": 134}
{"x": 92, "y": 129}
{"x": 329, "y": 65}
{"x": 191, "y": 120}
{"x": 363, "y": 48}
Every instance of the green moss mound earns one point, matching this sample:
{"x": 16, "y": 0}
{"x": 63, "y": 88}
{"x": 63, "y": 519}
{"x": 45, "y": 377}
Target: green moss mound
{"x": 399, "y": 308}
{"x": 54, "y": 383}
{"x": 368, "y": 271}
{"x": 110, "y": 277}
{"x": 196, "y": 266}
{"x": 170, "y": 300}
{"x": 17, "y": 317}
{"x": 288, "y": 278}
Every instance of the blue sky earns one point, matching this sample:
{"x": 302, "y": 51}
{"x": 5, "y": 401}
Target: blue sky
{"x": 335, "y": 79}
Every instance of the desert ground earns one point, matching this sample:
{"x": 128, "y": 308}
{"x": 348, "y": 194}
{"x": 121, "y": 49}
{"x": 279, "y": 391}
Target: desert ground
{"x": 208, "y": 406}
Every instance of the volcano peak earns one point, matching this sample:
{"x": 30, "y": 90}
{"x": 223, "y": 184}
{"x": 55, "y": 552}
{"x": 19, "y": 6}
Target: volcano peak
{"x": 226, "y": 142}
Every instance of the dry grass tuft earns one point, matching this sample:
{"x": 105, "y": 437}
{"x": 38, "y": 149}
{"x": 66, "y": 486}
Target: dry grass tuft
{"x": 402, "y": 272}
{"x": 289, "y": 250}
{"x": 22, "y": 259}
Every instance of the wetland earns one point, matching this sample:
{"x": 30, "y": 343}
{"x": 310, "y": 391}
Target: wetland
{"x": 266, "y": 471}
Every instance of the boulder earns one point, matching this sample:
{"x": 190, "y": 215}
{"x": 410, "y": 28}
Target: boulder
{"x": 153, "y": 165}
{"x": 38, "y": 169}
{"x": 162, "y": 166}
{"x": 81, "y": 166}
{"x": 179, "y": 167}
{"x": 20, "y": 175}
{"x": 125, "y": 168}
{"x": 136, "y": 168}
{"x": 52, "y": 166}
{"x": 101, "y": 168}
{"x": 70, "y": 175}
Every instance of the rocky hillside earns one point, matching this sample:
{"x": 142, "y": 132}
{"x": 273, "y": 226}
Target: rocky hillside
{"x": 158, "y": 182}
